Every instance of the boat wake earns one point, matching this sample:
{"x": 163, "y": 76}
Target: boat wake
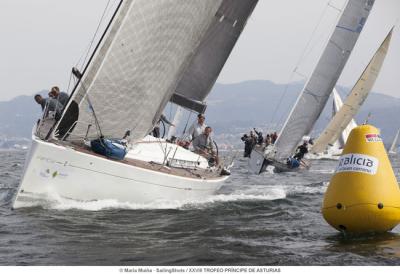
{"x": 60, "y": 203}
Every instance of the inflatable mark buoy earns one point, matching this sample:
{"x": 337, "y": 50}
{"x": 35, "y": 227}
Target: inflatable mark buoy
{"x": 363, "y": 195}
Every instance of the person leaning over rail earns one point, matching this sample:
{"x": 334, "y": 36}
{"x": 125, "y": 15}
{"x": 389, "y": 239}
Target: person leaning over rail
{"x": 61, "y": 97}
{"x": 49, "y": 105}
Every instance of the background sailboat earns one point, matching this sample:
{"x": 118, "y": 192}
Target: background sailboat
{"x": 332, "y": 152}
{"x": 317, "y": 90}
{"x": 393, "y": 146}
{"x": 354, "y": 101}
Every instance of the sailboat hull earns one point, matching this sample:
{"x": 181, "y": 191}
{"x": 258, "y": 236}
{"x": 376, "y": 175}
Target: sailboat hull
{"x": 54, "y": 171}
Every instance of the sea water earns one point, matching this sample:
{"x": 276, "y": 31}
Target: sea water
{"x": 271, "y": 219}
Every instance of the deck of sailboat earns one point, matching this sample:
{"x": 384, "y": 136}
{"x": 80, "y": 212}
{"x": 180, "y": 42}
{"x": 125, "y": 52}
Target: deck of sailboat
{"x": 199, "y": 173}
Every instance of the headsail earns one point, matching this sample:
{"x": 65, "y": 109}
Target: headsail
{"x": 316, "y": 92}
{"x": 212, "y": 53}
{"x": 393, "y": 147}
{"x": 355, "y": 99}
{"x": 138, "y": 65}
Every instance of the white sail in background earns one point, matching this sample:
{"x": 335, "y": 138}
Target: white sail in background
{"x": 338, "y": 103}
{"x": 138, "y": 65}
{"x": 175, "y": 121}
{"x": 354, "y": 101}
{"x": 316, "y": 92}
{"x": 393, "y": 147}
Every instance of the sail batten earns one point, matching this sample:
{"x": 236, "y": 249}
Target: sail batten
{"x": 354, "y": 101}
{"x": 315, "y": 94}
{"x": 138, "y": 65}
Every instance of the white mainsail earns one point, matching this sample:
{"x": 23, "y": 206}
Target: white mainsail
{"x": 355, "y": 99}
{"x": 316, "y": 92}
{"x": 393, "y": 147}
{"x": 137, "y": 67}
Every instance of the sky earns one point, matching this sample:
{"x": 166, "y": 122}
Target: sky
{"x": 42, "y": 40}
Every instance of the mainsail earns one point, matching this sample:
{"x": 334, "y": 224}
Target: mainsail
{"x": 355, "y": 99}
{"x": 211, "y": 55}
{"x": 316, "y": 92}
{"x": 137, "y": 67}
{"x": 337, "y": 104}
{"x": 393, "y": 147}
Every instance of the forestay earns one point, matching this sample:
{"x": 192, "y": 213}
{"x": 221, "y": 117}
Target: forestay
{"x": 211, "y": 55}
{"x": 316, "y": 92}
{"x": 137, "y": 67}
{"x": 354, "y": 101}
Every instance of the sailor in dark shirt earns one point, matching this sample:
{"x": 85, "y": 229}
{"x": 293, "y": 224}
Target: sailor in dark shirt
{"x": 248, "y": 145}
{"x": 260, "y": 138}
{"x": 301, "y": 151}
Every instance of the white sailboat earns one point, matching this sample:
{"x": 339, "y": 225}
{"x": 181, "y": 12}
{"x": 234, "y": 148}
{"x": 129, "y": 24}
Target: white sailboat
{"x": 393, "y": 147}
{"x": 317, "y": 90}
{"x": 336, "y": 129}
{"x": 332, "y": 152}
{"x": 143, "y": 57}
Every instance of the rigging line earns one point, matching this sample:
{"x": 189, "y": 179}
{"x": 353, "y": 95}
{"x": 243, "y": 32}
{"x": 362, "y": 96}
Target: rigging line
{"x": 96, "y": 32}
{"x": 302, "y": 56}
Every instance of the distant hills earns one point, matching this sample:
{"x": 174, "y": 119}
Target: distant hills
{"x": 233, "y": 109}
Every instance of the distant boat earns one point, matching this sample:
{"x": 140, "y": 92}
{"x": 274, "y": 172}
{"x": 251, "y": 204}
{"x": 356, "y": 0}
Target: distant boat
{"x": 317, "y": 90}
{"x": 393, "y": 147}
{"x": 148, "y": 50}
{"x": 338, "y": 127}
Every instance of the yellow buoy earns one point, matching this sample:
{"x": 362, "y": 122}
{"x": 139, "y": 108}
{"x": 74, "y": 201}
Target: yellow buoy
{"x": 363, "y": 195}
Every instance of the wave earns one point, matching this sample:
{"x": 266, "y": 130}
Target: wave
{"x": 53, "y": 201}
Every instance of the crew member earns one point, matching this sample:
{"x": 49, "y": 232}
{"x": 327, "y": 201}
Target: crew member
{"x": 301, "y": 151}
{"x": 203, "y": 145}
{"x": 61, "y": 97}
{"x": 198, "y": 127}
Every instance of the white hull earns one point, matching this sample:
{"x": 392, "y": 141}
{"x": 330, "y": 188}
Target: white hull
{"x": 53, "y": 170}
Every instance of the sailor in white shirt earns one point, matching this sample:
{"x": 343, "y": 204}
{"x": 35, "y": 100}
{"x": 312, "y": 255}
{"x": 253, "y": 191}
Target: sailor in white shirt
{"x": 198, "y": 127}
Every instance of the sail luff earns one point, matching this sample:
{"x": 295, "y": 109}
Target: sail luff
{"x": 355, "y": 99}
{"x": 137, "y": 68}
{"x": 315, "y": 94}
{"x": 393, "y": 147}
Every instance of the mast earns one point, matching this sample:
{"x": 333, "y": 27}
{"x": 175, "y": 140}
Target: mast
{"x": 355, "y": 99}
{"x": 137, "y": 66}
{"x": 315, "y": 94}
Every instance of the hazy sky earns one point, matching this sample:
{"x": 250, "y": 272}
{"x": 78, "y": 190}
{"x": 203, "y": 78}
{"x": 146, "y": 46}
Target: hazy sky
{"x": 42, "y": 39}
